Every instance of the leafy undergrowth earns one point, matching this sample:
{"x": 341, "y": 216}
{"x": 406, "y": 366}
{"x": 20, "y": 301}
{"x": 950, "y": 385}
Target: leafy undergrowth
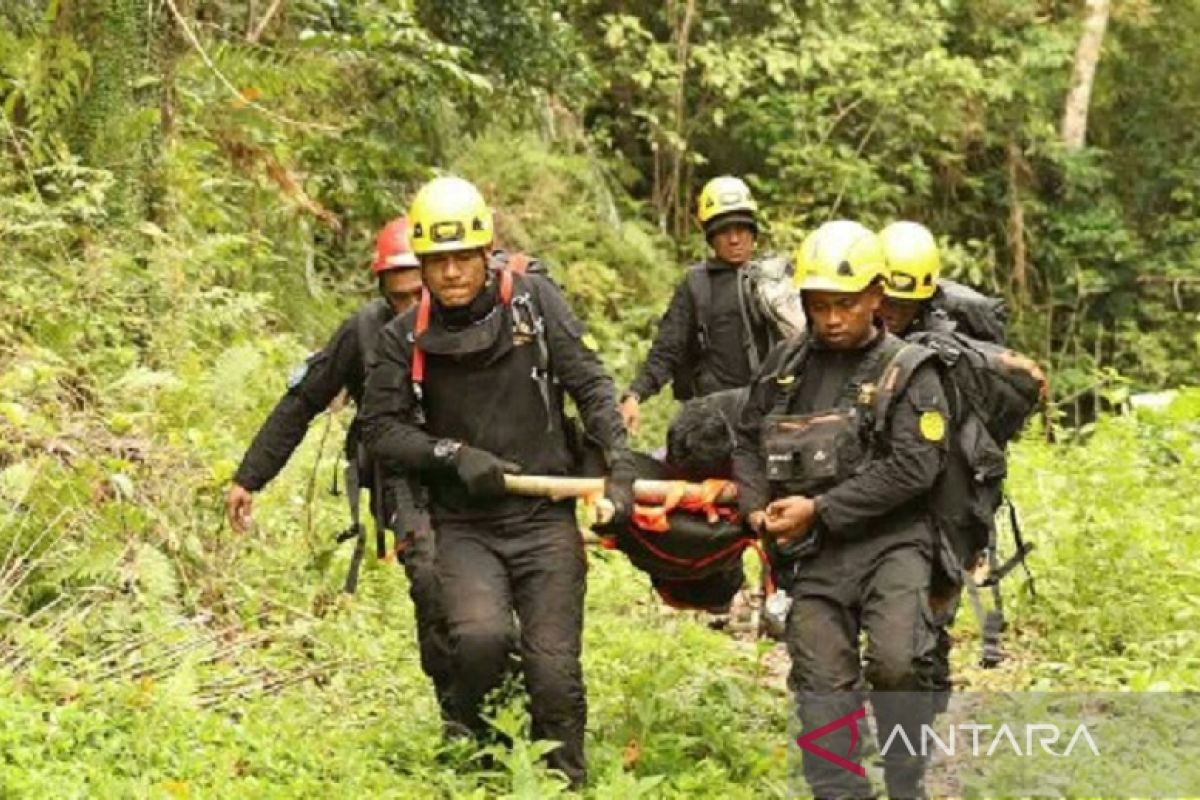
{"x": 1117, "y": 586}
{"x": 246, "y": 674}
{"x": 147, "y": 669}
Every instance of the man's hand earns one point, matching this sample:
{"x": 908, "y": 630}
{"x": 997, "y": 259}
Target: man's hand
{"x": 791, "y": 517}
{"x": 631, "y": 413}
{"x": 239, "y": 506}
{"x": 482, "y": 473}
{"x": 619, "y": 488}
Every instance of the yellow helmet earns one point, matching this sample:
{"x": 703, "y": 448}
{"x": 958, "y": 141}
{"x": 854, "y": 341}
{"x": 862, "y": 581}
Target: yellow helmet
{"x": 725, "y": 201}
{"x": 913, "y": 262}
{"x": 449, "y": 214}
{"x": 839, "y": 256}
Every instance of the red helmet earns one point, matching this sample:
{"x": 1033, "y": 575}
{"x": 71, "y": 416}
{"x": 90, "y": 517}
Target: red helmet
{"x": 392, "y": 249}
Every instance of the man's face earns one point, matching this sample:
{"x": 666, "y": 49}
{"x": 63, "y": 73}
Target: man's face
{"x": 899, "y": 314}
{"x": 401, "y": 288}
{"x": 733, "y": 244}
{"x": 456, "y": 278}
{"x": 843, "y": 320}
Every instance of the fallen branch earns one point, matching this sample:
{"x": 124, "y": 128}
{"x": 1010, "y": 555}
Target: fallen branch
{"x": 274, "y": 686}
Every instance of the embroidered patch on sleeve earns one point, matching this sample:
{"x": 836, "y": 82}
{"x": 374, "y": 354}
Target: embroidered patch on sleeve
{"x": 932, "y": 425}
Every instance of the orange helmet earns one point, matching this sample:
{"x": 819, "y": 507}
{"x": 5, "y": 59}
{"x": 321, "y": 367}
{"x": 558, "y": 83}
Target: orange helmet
{"x": 392, "y": 248}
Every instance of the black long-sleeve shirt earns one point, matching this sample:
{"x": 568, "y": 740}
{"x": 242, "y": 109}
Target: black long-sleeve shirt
{"x": 488, "y": 399}
{"x": 892, "y": 478}
{"x": 337, "y": 366}
{"x": 727, "y": 363}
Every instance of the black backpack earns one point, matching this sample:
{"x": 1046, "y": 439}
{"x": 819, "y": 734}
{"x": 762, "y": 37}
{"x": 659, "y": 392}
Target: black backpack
{"x": 974, "y": 314}
{"x": 990, "y": 401}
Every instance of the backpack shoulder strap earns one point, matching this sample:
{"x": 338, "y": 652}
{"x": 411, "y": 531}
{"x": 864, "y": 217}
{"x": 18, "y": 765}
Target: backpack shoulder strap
{"x": 368, "y": 322}
{"x": 518, "y": 262}
{"x": 700, "y": 288}
{"x": 791, "y": 361}
{"x": 898, "y": 370}
{"x": 506, "y": 286}
{"x": 420, "y": 325}
{"x": 529, "y": 303}
{"x": 752, "y": 315}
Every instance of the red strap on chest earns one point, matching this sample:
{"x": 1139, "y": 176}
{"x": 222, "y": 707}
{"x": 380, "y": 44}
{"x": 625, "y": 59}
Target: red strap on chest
{"x": 518, "y": 262}
{"x": 421, "y": 325}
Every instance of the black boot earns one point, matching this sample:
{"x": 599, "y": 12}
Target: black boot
{"x": 905, "y": 777}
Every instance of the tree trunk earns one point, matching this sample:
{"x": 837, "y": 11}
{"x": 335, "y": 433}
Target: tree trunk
{"x": 1016, "y": 224}
{"x": 107, "y": 130}
{"x": 1087, "y": 56}
{"x": 670, "y": 144}
{"x": 680, "y": 149}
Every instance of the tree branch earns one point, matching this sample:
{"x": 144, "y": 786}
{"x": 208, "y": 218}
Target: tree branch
{"x": 259, "y": 29}
{"x": 228, "y": 84}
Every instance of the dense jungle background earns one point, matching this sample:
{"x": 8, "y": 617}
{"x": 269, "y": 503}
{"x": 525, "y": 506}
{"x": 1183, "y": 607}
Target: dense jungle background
{"x": 189, "y": 191}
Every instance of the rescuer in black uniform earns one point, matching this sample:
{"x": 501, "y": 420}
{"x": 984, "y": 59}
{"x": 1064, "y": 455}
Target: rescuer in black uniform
{"x": 918, "y": 303}
{"x": 342, "y": 365}
{"x": 470, "y": 387}
{"x": 714, "y": 334}
{"x": 841, "y": 440}
{"x": 918, "y": 299}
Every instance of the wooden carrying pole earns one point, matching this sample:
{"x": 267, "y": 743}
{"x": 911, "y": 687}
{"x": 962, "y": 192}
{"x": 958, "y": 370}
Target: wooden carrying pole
{"x": 646, "y": 491}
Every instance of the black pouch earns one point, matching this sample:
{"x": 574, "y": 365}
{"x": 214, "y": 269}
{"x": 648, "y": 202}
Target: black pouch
{"x": 809, "y": 453}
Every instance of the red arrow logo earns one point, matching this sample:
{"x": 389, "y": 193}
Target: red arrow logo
{"x": 807, "y": 741}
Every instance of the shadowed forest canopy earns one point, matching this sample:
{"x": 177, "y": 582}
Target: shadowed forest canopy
{"x": 273, "y": 136}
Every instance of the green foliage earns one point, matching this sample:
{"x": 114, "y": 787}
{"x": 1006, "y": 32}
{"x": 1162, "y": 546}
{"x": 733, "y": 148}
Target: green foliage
{"x": 41, "y": 80}
{"x": 527, "y": 46}
{"x": 1117, "y": 583}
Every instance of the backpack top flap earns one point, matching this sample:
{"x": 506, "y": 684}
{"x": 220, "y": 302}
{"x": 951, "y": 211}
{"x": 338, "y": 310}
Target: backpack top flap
{"x": 777, "y": 298}
{"x": 1001, "y": 394}
{"x": 977, "y": 315}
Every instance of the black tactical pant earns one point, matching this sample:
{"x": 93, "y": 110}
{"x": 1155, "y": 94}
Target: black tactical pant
{"x": 433, "y": 639}
{"x": 880, "y": 588}
{"x": 417, "y": 552}
{"x": 532, "y": 564}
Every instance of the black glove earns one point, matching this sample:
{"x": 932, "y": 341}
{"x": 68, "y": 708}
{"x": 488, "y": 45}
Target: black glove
{"x": 619, "y": 488}
{"x": 482, "y": 473}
